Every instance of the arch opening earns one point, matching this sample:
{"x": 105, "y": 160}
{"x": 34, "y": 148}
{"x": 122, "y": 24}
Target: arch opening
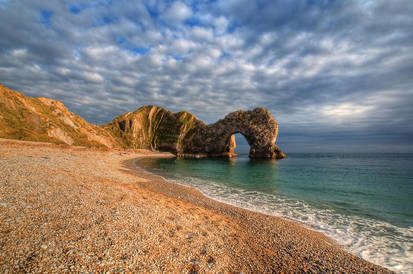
{"x": 242, "y": 146}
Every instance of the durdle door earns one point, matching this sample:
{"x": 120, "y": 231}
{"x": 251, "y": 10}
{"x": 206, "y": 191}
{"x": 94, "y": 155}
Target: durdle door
{"x": 149, "y": 127}
{"x": 259, "y": 128}
{"x": 185, "y": 135}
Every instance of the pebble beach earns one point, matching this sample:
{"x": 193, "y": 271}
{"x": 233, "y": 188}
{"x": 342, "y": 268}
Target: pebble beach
{"x": 76, "y": 209}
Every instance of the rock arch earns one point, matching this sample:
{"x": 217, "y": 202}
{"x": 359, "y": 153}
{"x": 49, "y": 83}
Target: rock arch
{"x": 259, "y": 128}
{"x": 183, "y": 134}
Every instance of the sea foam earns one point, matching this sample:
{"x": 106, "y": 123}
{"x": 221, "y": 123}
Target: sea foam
{"x": 375, "y": 241}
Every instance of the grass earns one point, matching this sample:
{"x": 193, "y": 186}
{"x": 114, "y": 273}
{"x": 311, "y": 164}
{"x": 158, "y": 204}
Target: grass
{"x": 27, "y": 118}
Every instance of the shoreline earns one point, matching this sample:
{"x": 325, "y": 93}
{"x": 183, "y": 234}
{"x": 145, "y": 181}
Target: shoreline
{"x": 191, "y": 188}
{"x": 247, "y": 217}
{"x": 367, "y": 243}
{"x": 78, "y": 209}
{"x": 133, "y": 165}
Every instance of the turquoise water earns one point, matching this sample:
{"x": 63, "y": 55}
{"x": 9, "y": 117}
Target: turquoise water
{"x": 363, "y": 201}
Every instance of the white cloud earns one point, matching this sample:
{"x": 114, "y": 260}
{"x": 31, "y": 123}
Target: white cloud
{"x": 155, "y": 59}
{"x": 94, "y": 77}
{"x": 64, "y": 71}
{"x": 178, "y": 12}
{"x": 182, "y": 46}
{"x": 229, "y": 42}
{"x": 213, "y": 52}
{"x": 346, "y": 112}
{"x": 18, "y": 52}
{"x": 202, "y": 34}
{"x": 98, "y": 52}
{"x": 221, "y": 24}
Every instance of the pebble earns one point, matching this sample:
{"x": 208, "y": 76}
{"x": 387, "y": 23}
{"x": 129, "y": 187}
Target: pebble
{"x": 96, "y": 218}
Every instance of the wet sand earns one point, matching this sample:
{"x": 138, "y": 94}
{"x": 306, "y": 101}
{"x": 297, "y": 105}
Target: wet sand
{"x": 77, "y": 209}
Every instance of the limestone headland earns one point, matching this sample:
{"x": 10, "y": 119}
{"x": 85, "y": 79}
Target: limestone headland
{"x": 149, "y": 127}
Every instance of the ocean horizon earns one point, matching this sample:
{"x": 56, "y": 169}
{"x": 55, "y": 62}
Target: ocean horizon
{"x": 363, "y": 201}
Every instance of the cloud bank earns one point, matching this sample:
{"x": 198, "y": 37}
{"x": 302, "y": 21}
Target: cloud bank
{"x": 337, "y": 75}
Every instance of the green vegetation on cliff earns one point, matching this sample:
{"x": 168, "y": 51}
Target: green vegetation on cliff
{"x": 153, "y": 127}
{"x": 149, "y": 127}
{"x": 46, "y": 120}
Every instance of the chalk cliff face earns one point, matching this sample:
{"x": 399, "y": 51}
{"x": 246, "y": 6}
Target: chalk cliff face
{"x": 47, "y": 120}
{"x": 149, "y": 127}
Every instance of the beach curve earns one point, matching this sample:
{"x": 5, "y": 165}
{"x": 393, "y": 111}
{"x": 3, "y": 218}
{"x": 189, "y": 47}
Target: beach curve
{"x": 79, "y": 209}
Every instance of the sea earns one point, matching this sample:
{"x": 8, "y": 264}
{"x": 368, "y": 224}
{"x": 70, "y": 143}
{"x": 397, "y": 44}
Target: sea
{"x": 364, "y": 201}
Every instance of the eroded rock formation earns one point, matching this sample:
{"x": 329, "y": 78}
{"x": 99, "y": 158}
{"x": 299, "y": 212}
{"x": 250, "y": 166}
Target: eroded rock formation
{"x": 150, "y": 127}
{"x": 153, "y": 127}
{"x": 185, "y": 135}
{"x": 258, "y": 127}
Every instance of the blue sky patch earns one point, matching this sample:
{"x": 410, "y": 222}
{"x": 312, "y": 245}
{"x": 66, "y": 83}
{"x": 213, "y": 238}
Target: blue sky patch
{"x": 121, "y": 40}
{"x": 176, "y": 57}
{"x": 46, "y": 16}
{"x": 74, "y": 9}
{"x": 140, "y": 51}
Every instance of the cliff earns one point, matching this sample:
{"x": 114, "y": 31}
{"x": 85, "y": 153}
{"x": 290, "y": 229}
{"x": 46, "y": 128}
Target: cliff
{"x": 47, "y": 120}
{"x": 149, "y": 127}
{"x": 153, "y": 127}
{"x": 185, "y": 135}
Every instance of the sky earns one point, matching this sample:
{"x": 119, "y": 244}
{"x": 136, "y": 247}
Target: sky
{"x": 336, "y": 75}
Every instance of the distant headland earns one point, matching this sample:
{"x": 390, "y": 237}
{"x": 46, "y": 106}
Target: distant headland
{"x": 149, "y": 127}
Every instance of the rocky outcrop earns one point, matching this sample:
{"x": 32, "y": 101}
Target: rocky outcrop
{"x": 153, "y": 127}
{"x": 259, "y": 128}
{"x": 185, "y": 135}
{"x": 150, "y": 127}
{"x": 47, "y": 120}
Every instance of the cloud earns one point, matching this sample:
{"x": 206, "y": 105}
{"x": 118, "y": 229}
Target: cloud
{"x": 178, "y": 12}
{"x": 331, "y": 72}
{"x": 93, "y": 77}
{"x": 345, "y": 111}
{"x": 202, "y": 34}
